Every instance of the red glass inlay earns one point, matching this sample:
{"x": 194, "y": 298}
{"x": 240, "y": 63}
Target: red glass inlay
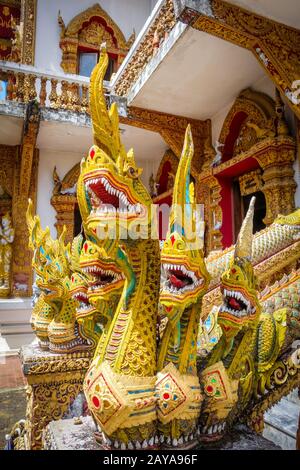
{"x": 96, "y": 402}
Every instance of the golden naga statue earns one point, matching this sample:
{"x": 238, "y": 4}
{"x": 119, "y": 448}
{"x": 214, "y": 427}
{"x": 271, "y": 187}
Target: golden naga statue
{"x": 120, "y": 384}
{"x": 103, "y": 295}
{"x": 186, "y": 281}
{"x": 254, "y": 364}
{"x": 54, "y": 318}
{"x": 7, "y": 235}
{"x": 141, "y": 397}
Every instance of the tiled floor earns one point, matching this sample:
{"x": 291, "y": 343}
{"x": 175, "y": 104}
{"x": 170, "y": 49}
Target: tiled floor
{"x": 11, "y": 375}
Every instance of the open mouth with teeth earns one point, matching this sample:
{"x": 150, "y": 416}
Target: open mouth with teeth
{"x": 109, "y": 197}
{"x": 179, "y": 280}
{"x": 103, "y": 277}
{"x": 84, "y": 308}
{"x": 213, "y": 432}
{"x": 237, "y": 305}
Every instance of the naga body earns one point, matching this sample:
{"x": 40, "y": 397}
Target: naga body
{"x": 186, "y": 280}
{"x": 120, "y": 384}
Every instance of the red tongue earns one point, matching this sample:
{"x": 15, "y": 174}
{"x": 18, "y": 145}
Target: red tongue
{"x": 234, "y": 304}
{"x": 176, "y": 282}
{"x": 104, "y": 196}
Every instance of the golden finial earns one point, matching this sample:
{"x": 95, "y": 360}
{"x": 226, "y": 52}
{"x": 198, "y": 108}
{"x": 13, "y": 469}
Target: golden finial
{"x": 243, "y": 246}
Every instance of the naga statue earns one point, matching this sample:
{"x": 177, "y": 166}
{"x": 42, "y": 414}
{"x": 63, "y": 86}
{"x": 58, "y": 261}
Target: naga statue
{"x": 97, "y": 288}
{"x": 42, "y": 313}
{"x": 274, "y": 249}
{"x": 7, "y": 235}
{"x": 253, "y": 351}
{"x": 120, "y": 384}
{"x": 54, "y": 315}
{"x": 186, "y": 280}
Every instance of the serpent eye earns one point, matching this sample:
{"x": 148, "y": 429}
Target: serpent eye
{"x": 132, "y": 172}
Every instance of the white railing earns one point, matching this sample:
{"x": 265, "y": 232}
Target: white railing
{"x": 23, "y": 83}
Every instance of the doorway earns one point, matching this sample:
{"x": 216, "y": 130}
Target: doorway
{"x": 241, "y": 205}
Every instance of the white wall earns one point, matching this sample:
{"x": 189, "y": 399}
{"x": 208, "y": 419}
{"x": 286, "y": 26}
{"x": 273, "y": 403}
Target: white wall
{"x": 264, "y": 85}
{"x": 63, "y": 161}
{"x": 128, "y": 14}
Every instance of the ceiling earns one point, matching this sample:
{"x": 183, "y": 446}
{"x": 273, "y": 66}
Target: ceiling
{"x": 62, "y": 137}
{"x": 287, "y": 11}
{"x": 199, "y": 76}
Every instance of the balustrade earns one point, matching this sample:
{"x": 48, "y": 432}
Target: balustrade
{"x": 56, "y": 92}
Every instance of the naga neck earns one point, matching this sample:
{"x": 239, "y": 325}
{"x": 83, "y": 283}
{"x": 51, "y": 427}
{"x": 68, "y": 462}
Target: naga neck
{"x": 130, "y": 345}
{"x": 234, "y": 353}
{"x": 184, "y": 358}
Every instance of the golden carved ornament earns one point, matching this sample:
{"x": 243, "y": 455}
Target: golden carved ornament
{"x": 159, "y": 30}
{"x": 14, "y": 199}
{"x": 53, "y": 383}
{"x": 28, "y": 18}
{"x": 250, "y": 182}
{"x": 85, "y": 31}
{"x": 64, "y": 201}
{"x": 259, "y": 109}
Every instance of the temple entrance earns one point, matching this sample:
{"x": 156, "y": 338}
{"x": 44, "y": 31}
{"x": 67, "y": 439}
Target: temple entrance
{"x": 240, "y": 206}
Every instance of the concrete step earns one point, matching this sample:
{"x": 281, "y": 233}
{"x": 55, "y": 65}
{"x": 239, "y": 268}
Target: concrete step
{"x": 15, "y": 329}
{"x": 281, "y": 422}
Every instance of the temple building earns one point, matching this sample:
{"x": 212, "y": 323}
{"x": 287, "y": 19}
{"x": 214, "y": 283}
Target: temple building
{"x": 230, "y": 69}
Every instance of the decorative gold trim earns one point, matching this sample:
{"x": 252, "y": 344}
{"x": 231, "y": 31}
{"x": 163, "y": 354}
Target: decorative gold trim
{"x": 63, "y": 202}
{"x": 250, "y": 182}
{"x": 71, "y": 37}
{"x": 28, "y": 18}
{"x": 148, "y": 47}
{"x": 259, "y": 108}
{"x": 172, "y": 129}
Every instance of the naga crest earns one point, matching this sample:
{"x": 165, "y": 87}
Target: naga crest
{"x": 111, "y": 196}
{"x": 240, "y": 305}
{"x": 183, "y": 268}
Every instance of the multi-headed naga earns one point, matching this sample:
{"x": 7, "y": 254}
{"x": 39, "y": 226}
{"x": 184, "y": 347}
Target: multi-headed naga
{"x": 54, "y": 315}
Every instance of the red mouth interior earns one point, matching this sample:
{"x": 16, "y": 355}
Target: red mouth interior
{"x": 234, "y": 303}
{"x": 100, "y": 278}
{"x": 81, "y": 298}
{"x": 103, "y": 196}
{"x": 178, "y": 279}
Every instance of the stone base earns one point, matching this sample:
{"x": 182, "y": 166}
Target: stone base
{"x": 70, "y": 434}
{"x": 78, "y": 434}
{"x": 54, "y": 381}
